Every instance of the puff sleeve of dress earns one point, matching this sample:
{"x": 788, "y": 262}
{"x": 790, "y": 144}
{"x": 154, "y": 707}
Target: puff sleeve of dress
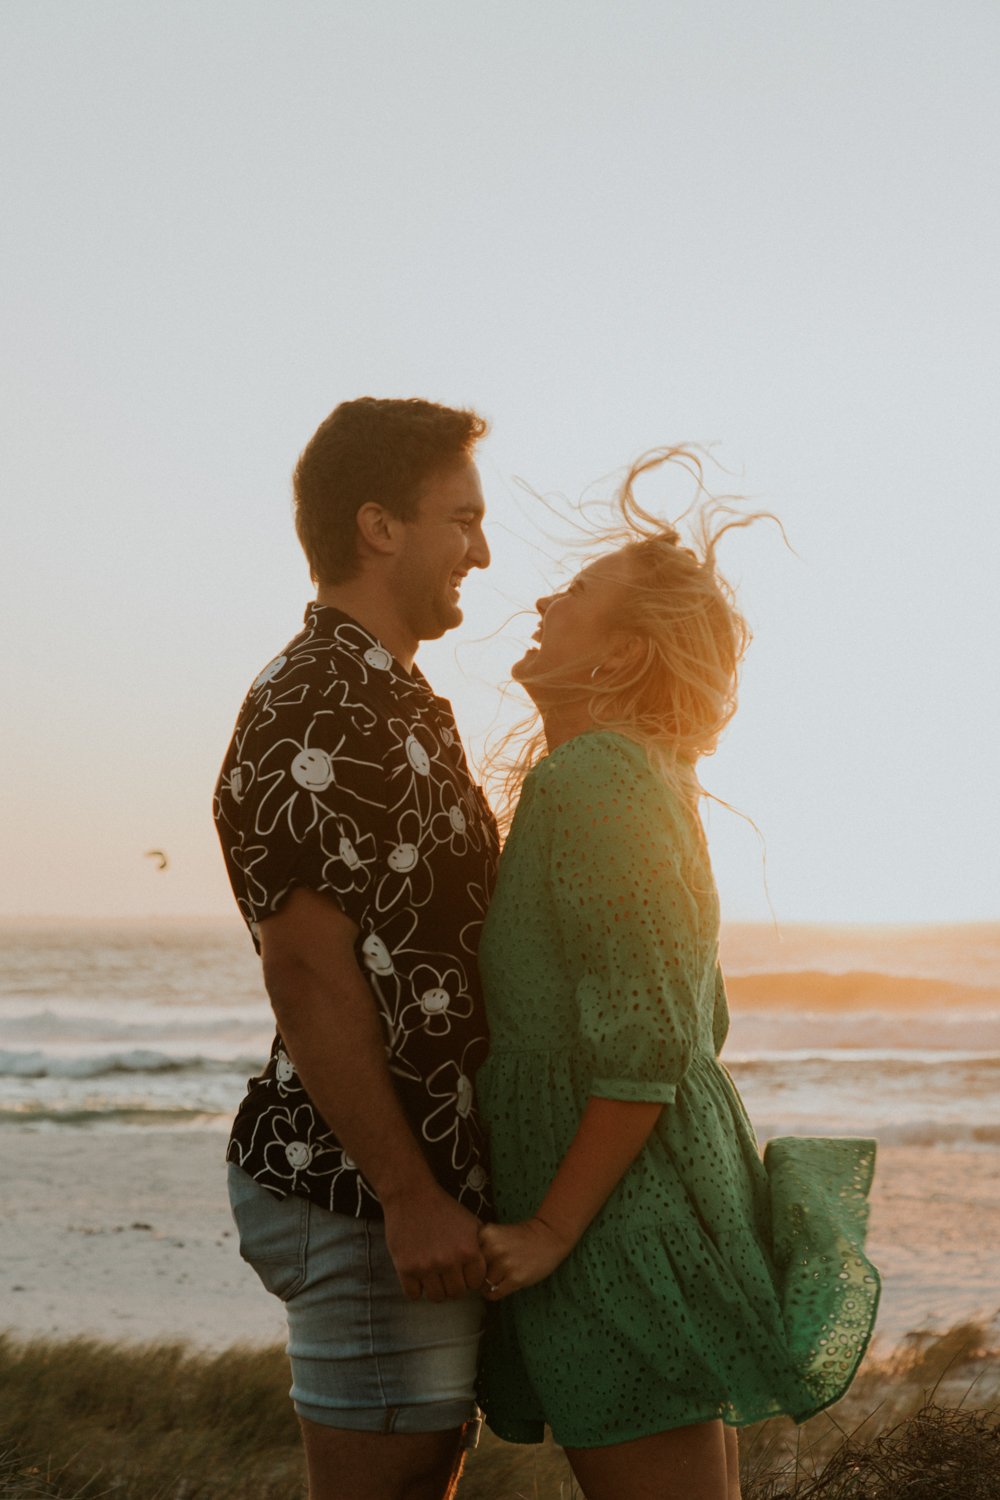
{"x": 622, "y": 856}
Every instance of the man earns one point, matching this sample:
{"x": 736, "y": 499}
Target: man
{"x": 362, "y": 857}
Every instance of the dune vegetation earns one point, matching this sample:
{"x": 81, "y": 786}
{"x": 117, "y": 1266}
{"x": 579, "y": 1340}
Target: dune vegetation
{"x": 164, "y": 1421}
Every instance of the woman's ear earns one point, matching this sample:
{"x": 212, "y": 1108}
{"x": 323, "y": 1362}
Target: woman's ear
{"x": 625, "y": 653}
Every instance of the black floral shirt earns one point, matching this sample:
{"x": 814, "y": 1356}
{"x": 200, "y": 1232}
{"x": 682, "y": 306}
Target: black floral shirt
{"x": 346, "y": 774}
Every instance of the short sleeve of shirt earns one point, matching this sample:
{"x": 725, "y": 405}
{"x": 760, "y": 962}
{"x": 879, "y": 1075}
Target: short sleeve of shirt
{"x": 301, "y": 799}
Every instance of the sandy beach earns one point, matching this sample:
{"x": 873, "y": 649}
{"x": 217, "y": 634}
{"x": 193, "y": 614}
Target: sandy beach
{"x": 126, "y": 1234}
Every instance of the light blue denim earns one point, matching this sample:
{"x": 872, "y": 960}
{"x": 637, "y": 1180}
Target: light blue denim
{"x": 363, "y": 1356}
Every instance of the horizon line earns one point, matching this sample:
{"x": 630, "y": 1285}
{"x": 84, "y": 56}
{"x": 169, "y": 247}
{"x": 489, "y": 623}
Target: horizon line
{"x": 869, "y": 923}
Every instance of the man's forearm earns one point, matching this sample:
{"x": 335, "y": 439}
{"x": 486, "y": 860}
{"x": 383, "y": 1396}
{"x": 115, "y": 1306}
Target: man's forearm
{"x": 337, "y": 1045}
{"x": 328, "y": 1019}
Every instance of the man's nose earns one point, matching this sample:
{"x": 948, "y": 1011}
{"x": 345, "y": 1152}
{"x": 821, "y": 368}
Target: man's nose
{"x": 479, "y": 551}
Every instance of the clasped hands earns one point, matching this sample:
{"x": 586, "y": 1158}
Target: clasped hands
{"x": 441, "y": 1250}
{"x": 519, "y": 1255}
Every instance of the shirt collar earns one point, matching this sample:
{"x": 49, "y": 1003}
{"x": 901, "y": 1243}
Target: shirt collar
{"x": 328, "y": 623}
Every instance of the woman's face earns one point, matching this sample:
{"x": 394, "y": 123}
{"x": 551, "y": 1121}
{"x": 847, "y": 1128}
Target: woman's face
{"x": 575, "y": 631}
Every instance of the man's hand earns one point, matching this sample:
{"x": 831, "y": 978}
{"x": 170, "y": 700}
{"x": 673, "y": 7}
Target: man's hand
{"x": 519, "y": 1255}
{"x": 434, "y": 1244}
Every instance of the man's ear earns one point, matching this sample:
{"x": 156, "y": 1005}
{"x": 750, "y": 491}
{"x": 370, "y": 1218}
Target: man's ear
{"x": 378, "y": 530}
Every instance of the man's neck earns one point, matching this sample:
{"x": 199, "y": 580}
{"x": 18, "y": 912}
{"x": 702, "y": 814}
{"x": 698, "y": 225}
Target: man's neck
{"x": 375, "y": 612}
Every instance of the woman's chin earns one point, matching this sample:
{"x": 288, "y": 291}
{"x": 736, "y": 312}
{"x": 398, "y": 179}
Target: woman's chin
{"x": 522, "y": 668}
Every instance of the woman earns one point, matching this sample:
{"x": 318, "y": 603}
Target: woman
{"x": 656, "y": 1284}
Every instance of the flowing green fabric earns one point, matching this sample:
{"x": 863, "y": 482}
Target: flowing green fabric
{"x": 711, "y": 1283}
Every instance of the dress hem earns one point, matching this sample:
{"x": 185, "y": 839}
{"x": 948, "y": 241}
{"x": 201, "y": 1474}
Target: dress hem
{"x": 508, "y": 1434}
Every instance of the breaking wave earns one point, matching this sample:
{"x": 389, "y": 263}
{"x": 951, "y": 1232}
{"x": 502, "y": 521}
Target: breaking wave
{"x": 859, "y": 989}
{"x": 37, "y": 1064}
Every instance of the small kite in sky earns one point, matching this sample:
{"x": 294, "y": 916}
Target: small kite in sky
{"x": 157, "y": 854}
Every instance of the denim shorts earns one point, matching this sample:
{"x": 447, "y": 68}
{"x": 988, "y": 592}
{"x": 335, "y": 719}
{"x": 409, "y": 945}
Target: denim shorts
{"x": 363, "y": 1356}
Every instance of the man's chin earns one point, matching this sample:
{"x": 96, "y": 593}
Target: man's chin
{"x": 445, "y": 618}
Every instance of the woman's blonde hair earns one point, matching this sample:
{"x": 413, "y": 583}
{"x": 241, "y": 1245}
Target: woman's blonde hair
{"x": 677, "y": 692}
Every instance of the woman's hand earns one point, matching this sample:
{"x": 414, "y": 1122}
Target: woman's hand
{"x": 519, "y": 1255}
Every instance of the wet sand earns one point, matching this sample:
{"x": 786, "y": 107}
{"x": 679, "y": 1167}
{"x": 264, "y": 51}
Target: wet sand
{"x": 127, "y": 1235}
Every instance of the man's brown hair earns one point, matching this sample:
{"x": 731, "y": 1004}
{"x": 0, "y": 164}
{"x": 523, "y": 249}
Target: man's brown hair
{"x": 372, "y": 450}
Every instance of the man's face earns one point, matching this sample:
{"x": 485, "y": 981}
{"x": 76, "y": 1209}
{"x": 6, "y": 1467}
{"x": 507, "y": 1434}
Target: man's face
{"x": 441, "y": 544}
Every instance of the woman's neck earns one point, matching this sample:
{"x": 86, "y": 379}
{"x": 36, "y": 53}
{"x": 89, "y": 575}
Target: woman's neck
{"x": 564, "y": 722}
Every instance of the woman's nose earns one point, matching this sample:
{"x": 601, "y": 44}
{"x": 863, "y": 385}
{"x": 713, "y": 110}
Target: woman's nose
{"x": 542, "y": 604}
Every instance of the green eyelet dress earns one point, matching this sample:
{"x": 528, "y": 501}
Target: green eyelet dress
{"x": 712, "y": 1283}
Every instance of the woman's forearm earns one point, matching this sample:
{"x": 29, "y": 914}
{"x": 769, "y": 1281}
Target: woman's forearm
{"x": 609, "y": 1137}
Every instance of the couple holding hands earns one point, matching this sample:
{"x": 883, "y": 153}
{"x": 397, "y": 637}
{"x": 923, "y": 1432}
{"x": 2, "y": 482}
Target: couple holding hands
{"x": 494, "y": 1160}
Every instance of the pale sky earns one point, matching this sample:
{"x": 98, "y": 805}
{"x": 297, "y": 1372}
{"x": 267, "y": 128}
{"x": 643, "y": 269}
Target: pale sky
{"x": 773, "y": 227}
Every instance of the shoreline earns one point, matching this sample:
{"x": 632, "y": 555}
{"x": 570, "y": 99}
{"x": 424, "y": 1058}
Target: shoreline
{"x": 127, "y": 1236}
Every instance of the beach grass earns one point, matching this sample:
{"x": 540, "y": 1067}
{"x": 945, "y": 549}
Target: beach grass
{"x": 163, "y": 1421}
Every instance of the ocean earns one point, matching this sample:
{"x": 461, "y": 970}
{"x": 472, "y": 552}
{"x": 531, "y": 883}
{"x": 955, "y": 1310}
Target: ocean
{"x": 125, "y": 1048}
{"x": 891, "y": 1032}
